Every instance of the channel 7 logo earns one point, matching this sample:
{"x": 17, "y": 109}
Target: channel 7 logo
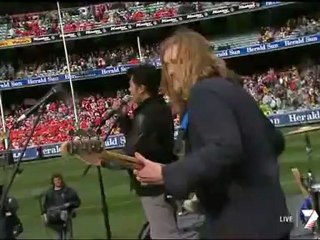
{"x": 312, "y": 217}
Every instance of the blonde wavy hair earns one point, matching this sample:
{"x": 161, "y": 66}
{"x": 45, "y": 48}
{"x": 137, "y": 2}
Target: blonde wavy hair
{"x": 195, "y": 62}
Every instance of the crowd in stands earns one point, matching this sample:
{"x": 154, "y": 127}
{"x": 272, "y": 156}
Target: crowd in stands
{"x": 276, "y": 91}
{"x": 287, "y": 89}
{"x": 58, "y": 119}
{"x": 293, "y": 28}
{"x": 95, "y": 16}
{"x": 83, "y": 61}
{"x": 52, "y": 65}
{"x": 302, "y": 26}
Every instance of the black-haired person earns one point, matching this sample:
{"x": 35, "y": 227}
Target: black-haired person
{"x": 152, "y": 132}
{"x": 59, "y": 204}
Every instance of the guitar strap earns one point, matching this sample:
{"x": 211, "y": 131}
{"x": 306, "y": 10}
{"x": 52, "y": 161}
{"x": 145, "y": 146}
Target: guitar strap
{"x": 185, "y": 122}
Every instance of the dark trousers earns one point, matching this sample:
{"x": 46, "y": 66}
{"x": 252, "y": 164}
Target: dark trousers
{"x": 63, "y": 232}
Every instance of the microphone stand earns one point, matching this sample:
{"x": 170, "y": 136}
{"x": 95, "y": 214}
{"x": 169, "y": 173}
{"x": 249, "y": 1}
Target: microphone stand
{"x": 8, "y": 160}
{"x": 16, "y": 169}
{"x": 104, "y": 205}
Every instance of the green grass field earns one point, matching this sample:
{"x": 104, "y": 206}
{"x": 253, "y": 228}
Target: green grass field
{"x": 126, "y": 215}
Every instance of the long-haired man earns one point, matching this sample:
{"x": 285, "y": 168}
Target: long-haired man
{"x": 59, "y": 204}
{"x": 233, "y": 149}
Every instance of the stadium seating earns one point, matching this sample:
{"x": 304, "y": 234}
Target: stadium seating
{"x": 99, "y": 15}
{"x": 122, "y": 56}
{"x": 276, "y": 90}
{"x": 58, "y": 117}
{"x": 227, "y": 42}
{"x": 90, "y": 17}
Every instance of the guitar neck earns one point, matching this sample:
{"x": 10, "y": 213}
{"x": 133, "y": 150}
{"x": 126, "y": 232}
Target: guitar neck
{"x": 107, "y": 155}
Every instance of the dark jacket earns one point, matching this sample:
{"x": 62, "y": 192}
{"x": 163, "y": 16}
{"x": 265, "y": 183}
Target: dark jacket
{"x": 14, "y": 225}
{"x": 150, "y": 133}
{"x": 232, "y": 165}
{"x": 54, "y": 198}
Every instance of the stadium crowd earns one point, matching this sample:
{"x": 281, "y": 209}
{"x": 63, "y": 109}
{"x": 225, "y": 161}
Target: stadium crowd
{"x": 87, "y": 60}
{"x": 96, "y": 16}
{"x": 58, "y": 119}
{"x": 292, "y": 88}
{"x": 276, "y": 91}
{"x": 301, "y": 26}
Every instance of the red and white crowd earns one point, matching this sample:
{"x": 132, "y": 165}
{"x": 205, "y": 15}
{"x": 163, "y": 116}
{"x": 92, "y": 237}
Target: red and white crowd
{"x": 96, "y": 16}
{"x": 276, "y": 90}
{"x": 52, "y": 64}
{"x": 58, "y": 119}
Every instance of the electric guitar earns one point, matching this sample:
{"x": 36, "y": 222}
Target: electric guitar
{"x": 92, "y": 152}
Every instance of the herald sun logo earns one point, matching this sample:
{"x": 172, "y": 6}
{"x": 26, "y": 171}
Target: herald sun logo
{"x": 312, "y": 216}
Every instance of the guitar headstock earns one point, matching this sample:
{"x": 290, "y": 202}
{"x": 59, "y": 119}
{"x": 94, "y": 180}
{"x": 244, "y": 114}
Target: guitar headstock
{"x": 88, "y": 151}
{"x": 85, "y": 145}
{"x": 81, "y": 133}
{"x": 80, "y": 147}
{"x": 92, "y": 152}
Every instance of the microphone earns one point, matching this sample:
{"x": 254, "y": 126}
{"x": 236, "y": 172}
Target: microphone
{"x": 43, "y": 100}
{"x": 110, "y": 112}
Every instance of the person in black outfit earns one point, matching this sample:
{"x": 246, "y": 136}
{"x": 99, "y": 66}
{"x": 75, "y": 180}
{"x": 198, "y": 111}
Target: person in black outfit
{"x": 232, "y": 162}
{"x": 13, "y": 223}
{"x": 151, "y": 132}
{"x": 59, "y": 204}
